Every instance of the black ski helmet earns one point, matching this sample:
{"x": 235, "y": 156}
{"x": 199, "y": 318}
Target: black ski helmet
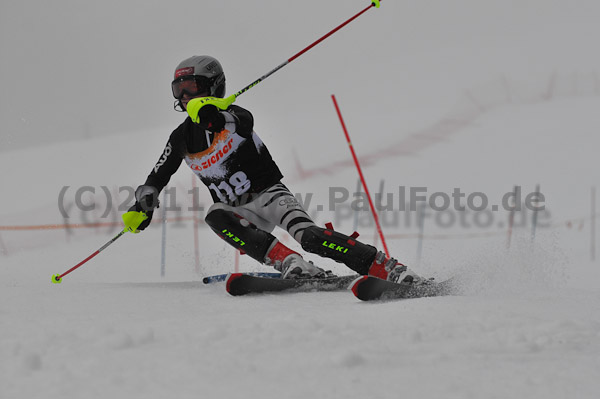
{"x": 206, "y": 70}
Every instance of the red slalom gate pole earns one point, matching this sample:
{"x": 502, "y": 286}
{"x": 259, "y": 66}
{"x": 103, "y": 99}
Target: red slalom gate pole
{"x": 362, "y": 178}
{"x": 57, "y": 278}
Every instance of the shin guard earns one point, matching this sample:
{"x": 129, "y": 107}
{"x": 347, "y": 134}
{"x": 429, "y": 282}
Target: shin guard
{"x": 240, "y": 233}
{"x": 339, "y": 247}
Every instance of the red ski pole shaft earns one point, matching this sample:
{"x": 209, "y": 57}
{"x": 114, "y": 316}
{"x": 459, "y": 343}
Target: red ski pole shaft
{"x": 57, "y": 278}
{"x": 257, "y": 81}
{"x": 362, "y": 177}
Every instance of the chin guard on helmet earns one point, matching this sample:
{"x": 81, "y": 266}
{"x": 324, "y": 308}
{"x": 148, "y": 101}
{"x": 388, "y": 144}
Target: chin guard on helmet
{"x": 178, "y": 106}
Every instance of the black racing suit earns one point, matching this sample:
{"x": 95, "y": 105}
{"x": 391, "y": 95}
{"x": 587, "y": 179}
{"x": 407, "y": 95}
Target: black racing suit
{"x": 236, "y": 166}
{"x": 234, "y": 163}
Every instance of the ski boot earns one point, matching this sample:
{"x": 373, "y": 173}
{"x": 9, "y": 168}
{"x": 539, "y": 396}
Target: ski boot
{"x": 291, "y": 264}
{"x": 391, "y": 270}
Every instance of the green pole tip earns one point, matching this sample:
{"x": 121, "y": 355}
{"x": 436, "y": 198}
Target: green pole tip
{"x": 56, "y": 279}
{"x": 375, "y": 3}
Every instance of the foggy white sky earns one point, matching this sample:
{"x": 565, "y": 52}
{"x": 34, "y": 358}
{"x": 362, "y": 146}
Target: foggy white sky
{"x": 73, "y": 69}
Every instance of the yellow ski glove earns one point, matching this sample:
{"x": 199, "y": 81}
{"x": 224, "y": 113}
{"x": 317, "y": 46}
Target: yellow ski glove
{"x": 195, "y": 105}
{"x": 133, "y": 220}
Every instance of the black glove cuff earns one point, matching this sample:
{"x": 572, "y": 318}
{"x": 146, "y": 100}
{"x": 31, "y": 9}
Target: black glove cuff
{"x": 146, "y": 198}
{"x": 211, "y": 119}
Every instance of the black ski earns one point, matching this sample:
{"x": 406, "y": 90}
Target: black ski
{"x": 369, "y": 288}
{"x": 242, "y": 284}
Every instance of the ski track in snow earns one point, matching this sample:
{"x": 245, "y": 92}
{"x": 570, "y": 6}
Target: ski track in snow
{"x": 185, "y": 339}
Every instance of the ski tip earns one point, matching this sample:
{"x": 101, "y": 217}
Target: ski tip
{"x": 231, "y": 278}
{"x": 356, "y": 283}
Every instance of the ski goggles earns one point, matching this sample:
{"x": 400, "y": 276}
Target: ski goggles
{"x": 191, "y": 85}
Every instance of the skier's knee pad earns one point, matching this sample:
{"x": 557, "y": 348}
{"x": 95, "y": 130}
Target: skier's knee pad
{"x": 339, "y": 247}
{"x": 240, "y": 233}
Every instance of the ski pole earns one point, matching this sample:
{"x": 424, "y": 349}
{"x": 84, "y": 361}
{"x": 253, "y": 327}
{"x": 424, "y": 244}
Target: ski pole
{"x": 57, "y": 278}
{"x": 132, "y": 221}
{"x": 229, "y": 100}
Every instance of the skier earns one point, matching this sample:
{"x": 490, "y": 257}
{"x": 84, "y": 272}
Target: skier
{"x": 221, "y": 148}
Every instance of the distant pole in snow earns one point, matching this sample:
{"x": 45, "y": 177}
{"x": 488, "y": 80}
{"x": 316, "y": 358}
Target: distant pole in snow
{"x": 593, "y": 226}
{"x": 535, "y": 213}
{"x": 163, "y": 252}
{"x": 114, "y": 210}
{"x": 549, "y": 94}
{"x": 421, "y": 236}
{"x": 3, "y": 248}
{"x": 195, "y": 226}
{"x": 68, "y": 230}
{"x": 358, "y": 190}
{"x": 362, "y": 177}
{"x": 511, "y": 219}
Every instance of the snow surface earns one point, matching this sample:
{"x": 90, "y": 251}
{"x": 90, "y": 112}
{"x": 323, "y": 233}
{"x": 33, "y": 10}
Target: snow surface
{"x": 526, "y": 323}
